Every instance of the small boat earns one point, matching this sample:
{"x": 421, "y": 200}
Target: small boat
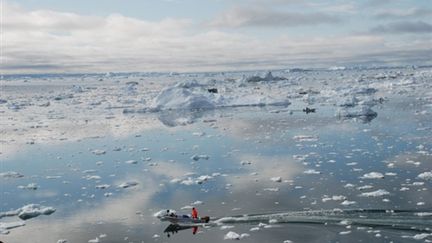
{"x": 184, "y": 219}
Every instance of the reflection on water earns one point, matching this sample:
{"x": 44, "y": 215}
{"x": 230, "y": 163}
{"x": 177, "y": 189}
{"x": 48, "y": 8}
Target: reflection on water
{"x": 247, "y": 161}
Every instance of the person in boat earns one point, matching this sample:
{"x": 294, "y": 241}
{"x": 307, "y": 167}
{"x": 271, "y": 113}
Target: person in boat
{"x": 194, "y": 213}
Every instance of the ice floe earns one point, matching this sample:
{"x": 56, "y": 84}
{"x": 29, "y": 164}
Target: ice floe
{"x": 235, "y": 236}
{"x": 425, "y": 175}
{"x": 128, "y": 184}
{"x": 377, "y": 193}
{"x": 29, "y": 211}
{"x": 373, "y": 175}
{"x": 11, "y": 174}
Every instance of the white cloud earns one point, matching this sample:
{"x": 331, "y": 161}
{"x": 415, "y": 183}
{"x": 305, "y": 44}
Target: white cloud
{"x": 51, "y": 41}
{"x": 244, "y": 17}
{"x": 403, "y": 13}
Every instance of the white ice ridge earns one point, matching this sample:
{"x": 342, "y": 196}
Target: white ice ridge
{"x": 29, "y": 211}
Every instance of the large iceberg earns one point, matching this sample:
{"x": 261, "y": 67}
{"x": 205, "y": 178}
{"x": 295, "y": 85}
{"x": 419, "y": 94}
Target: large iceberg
{"x": 191, "y": 95}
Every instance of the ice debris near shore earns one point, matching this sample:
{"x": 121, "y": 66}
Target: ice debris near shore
{"x": 29, "y": 211}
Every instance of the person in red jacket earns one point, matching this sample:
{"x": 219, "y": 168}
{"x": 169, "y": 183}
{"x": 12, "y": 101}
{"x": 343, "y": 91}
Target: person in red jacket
{"x": 194, "y": 213}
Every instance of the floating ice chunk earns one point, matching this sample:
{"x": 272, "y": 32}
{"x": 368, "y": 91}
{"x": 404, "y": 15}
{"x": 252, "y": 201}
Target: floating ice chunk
{"x": 197, "y": 203}
{"x": 345, "y": 232}
{"x": 30, "y": 186}
{"x": 232, "y": 236}
{"x": 188, "y": 182}
{"x": 364, "y": 187}
{"x": 348, "y": 203}
{"x": 89, "y": 171}
{"x": 424, "y": 214}
{"x": 128, "y": 184}
{"x": 203, "y": 178}
{"x": 425, "y": 175}
{"x": 276, "y": 179}
{"x": 334, "y": 198}
{"x": 198, "y": 157}
{"x": 245, "y": 162}
{"x": 131, "y": 161}
{"x": 271, "y": 189}
{"x": 336, "y": 68}
{"x": 96, "y": 240}
{"x": 373, "y": 175}
{"x": 33, "y": 210}
{"x": 273, "y": 221}
{"x": 254, "y": 229}
{"x": 349, "y": 185}
{"x": 102, "y": 186}
{"x": 311, "y": 172}
{"x": 11, "y": 174}
{"x": 377, "y": 193}
{"x": 305, "y": 138}
{"x": 98, "y": 152}
{"x": 175, "y": 180}
{"x": 421, "y": 236}
{"x": 62, "y": 241}
{"x": 198, "y": 134}
{"x": 92, "y": 177}
{"x": 5, "y": 227}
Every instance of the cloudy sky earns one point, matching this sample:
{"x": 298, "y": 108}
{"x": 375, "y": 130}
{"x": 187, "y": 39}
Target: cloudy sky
{"x": 42, "y": 36}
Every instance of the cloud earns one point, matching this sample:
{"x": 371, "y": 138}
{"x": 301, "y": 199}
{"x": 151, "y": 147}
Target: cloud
{"x": 44, "y": 41}
{"x": 418, "y": 27}
{"x": 254, "y": 17}
{"x": 403, "y": 13}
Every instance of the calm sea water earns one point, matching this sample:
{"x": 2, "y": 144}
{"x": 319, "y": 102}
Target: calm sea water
{"x": 242, "y": 151}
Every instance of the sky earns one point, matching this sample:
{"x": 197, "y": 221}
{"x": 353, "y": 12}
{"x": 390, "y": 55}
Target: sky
{"x": 51, "y": 36}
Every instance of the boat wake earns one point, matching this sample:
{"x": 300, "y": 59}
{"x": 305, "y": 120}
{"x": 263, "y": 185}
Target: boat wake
{"x": 411, "y": 220}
